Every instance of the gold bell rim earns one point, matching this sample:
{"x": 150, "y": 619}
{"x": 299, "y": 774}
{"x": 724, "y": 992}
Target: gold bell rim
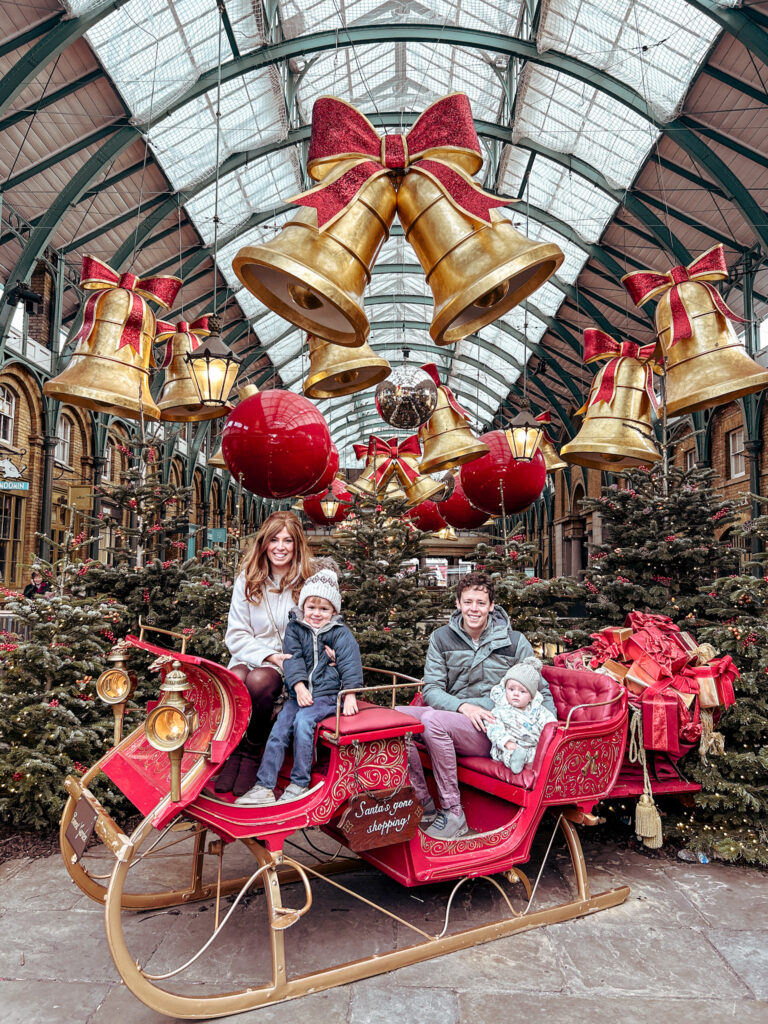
{"x": 378, "y": 370}
{"x": 92, "y": 398}
{"x": 717, "y": 394}
{"x": 262, "y": 256}
{"x": 544, "y": 259}
{"x": 593, "y": 456}
{"x": 192, "y": 413}
{"x": 424, "y": 494}
{"x": 437, "y": 463}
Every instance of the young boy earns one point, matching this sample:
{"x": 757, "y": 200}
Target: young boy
{"x": 324, "y": 658}
{"x": 520, "y": 715}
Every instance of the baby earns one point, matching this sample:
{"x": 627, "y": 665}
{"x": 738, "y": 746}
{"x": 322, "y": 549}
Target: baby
{"x": 325, "y": 658}
{"x": 520, "y": 715}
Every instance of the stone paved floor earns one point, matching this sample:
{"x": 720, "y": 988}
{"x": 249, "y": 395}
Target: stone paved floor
{"x": 689, "y": 945}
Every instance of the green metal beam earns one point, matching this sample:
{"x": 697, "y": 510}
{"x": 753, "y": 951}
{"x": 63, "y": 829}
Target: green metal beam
{"x": 740, "y": 22}
{"x": 28, "y": 34}
{"x": 725, "y": 140}
{"x": 47, "y": 101}
{"x": 116, "y": 222}
{"x": 64, "y": 154}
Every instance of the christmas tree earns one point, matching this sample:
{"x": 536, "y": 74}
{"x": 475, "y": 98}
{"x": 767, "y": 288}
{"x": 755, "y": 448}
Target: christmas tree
{"x": 385, "y": 600}
{"x": 660, "y": 548}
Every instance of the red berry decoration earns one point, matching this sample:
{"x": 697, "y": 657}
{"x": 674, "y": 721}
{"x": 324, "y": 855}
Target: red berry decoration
{"x": 484, "y": 479}
{"x": 459, "y": 512}
{"x": 279, "y": 442}
{"x": 426, "y": 517}
{"x": 314, "y": 510}
{"x": 326, "y": 480}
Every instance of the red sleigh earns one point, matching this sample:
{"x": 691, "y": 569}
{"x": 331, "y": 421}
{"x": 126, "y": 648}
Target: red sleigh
{"x": 361, "y": 760}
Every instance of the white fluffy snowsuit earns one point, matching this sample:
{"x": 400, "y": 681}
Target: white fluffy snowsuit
{"x": 522, "y": 725}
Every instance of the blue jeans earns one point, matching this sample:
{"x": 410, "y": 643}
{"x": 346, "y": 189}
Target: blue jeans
{"x": 299, "y": 722}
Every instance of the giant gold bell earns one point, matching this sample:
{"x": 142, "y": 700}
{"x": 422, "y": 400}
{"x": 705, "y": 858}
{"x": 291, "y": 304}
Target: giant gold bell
{"x": 712, "y": 366}
{"x": 552, "y": 460}
{"x": 106, "y": 374}
{"x": 446, "y": 440}
{"x": 179, "y": 399}
{"x": 217, "y": 459}
{"x": 423, "y": 488}
{"x": 618, "y": 435}
{"x": 476, "y": 271}
{"x": 315, "y": 279}
{"x": 336, "y": 370}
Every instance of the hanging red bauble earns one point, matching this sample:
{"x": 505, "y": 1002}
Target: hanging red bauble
{"x": 485, "y": 478}
{"x": 458, "y": 511}
{"x": 279, "y": 442}
{"x": 313, "y": 508}
{"x": 426, "y": 517}
{"x": 328, "y": 476}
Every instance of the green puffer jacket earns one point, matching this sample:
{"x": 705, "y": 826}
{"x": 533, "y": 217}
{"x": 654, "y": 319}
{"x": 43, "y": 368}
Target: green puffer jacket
{"x": 456, "y": 672}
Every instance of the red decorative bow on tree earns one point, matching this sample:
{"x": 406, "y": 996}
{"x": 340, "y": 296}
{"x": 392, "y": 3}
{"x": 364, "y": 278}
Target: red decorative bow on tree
{"x": 599, "y": 345}
{"x": 644, "y": 285}
{"x": 196, "y": 330}
{"x": 100, "y": 277}
{"x": 443, "y": 142}
{"x": 390, "y": 456}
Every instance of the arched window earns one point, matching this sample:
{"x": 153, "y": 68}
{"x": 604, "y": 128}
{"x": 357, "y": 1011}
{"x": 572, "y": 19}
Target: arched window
{"x": 106, "y": 473}
{"x": 7, "y": 414}
{"x": 63, "y": 451}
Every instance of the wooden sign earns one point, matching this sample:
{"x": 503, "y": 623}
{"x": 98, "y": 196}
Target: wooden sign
{"x": 381, "y": 819}
{"x": 80, "y": 828}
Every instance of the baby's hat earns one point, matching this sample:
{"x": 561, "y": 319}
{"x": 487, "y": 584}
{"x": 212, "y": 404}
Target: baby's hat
{"x": 324, "y": 583}
{"x": 527, "y": 672}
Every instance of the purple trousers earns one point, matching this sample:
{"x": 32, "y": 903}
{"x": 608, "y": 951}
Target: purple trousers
{"x": 446, "y": 734}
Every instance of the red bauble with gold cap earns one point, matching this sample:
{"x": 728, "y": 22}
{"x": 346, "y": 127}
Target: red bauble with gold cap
{"x": 426, "y": 517}
{"x": 485, "y": 479}
{"x": 458, "y": 511}
{"x": 279, "y": 442}
{"x": 313, "y": 508}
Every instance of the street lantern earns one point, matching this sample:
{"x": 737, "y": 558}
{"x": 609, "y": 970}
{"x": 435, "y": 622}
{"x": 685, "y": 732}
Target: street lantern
{"x": 213, "y": 367}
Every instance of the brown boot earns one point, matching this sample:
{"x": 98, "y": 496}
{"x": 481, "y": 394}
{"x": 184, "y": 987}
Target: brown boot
{"x": 246, "y": 776}
{"x": 226, "y": 778}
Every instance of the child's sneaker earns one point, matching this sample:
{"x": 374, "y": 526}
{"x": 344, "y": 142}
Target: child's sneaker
{"x": 257, "y": 796}
{"x": 448, "y": 825}
{"x": 293, "y": 792}
{"x": 429, "y": 815}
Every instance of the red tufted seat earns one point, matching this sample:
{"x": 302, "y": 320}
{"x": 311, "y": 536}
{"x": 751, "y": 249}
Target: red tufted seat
{"x": 372, "y": 722}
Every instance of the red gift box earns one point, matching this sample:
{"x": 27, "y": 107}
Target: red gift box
{"x": 661, "y": 723}
{"x": 714, "y": 682}
{"x": 641, "y": 620}
{"x": 653, "y": 646}
{"x": 637, "y": 680}
{"x": 603, "y": 647}
{"x": 617, "y": 634}
{"x": 578, "y": 659}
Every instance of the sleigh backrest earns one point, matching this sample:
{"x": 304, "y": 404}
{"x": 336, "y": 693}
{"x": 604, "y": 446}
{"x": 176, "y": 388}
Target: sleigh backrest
{"x": 573, "y": 687}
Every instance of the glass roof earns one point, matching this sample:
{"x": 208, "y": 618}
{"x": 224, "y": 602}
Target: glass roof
{"x": 154, "y": 50}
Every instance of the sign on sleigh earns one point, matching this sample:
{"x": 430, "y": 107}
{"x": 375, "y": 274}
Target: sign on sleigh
{"x": 381, "y": 819}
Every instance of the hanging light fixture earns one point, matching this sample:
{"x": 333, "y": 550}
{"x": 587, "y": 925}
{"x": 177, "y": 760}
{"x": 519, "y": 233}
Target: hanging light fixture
{"x": 524, "y": 434}
{"x": 213, "y": 365}
{"x": 330, "y": 505}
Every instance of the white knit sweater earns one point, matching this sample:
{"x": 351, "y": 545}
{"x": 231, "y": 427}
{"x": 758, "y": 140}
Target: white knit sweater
{"x": 251, "y": 636}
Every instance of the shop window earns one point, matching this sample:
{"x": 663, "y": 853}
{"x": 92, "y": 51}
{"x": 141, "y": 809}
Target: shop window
{"x": 106, "y": 473}
{"x": 7, "y": 414}
{"x": 11, "y": 537}
{"x": 735, "y": 441}
{"x": 689, "y": 459}
{"x": 63, "y": 451}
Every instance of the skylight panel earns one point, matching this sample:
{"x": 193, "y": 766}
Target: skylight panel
{"x": 655, "y": 46}
{"x": 572, "y": 117}
{"x": 547, "y": 298}
{"x": 400, "y": 284}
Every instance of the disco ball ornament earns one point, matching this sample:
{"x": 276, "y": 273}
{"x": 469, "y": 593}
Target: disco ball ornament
{"x": 458, "y": 511}
{"x": 407, "y": 398}
{"x": 485, "y": 479}
{"x": 426, "y": 517}
{"x": 313, "y": 505}
{"x": 331, "y": 470}
{"x": 448, "y": 481}
{"x": 279, "y": 442}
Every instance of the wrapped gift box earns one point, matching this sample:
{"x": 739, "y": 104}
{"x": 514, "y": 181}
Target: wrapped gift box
{"x": 641, "y": 620}
{"x": 715, "y": 682}
{"x": 660, "y": 647}
{"x": 661, "y": 724}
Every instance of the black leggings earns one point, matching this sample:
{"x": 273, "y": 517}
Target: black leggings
{"x": 264, "y": 685}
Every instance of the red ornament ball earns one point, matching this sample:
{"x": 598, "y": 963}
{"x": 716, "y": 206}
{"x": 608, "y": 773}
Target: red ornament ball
{"x": 521, "y": 482}
{"x": 426, "y": 517}
{"x": 326, "y": 480}
{"x": 314, "y": 510}
{"x": 458, "y": 511}
{"x": 279, "y": 442}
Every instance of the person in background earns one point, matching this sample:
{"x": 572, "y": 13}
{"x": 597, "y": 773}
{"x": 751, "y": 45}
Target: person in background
{"x": 38, "y": 586}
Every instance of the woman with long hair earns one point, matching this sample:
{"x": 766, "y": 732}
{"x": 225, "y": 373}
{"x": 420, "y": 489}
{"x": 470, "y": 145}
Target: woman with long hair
{"x": 273, "y": 569}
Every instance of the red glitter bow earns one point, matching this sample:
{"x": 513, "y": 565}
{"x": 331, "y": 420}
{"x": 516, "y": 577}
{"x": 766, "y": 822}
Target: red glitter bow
{"x": 599, "y": 345}
{"x": 545, "y": 417}
{"x": 100, "y": 277}
{"x": 389, "y": 456}
{"x": 643, "y": 285}
{"x": 196, "y": 330}
{"x": 443, "y": 142}
{"x": 433, "y": 372}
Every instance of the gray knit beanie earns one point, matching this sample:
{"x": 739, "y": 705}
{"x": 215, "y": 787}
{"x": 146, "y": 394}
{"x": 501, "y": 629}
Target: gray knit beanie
{"x": 325, "y": 584}
{"x": 527, "y": 672}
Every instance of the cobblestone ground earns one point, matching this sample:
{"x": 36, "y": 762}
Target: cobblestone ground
{"x": 689, "y": 945}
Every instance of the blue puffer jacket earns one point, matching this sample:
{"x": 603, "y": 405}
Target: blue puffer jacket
{"x": 310, "y": 664}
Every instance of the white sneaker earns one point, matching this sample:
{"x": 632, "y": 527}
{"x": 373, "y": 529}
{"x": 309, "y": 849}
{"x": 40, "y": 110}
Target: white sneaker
{"x": 429, "y": 815}
{"x": 257, "y": 796}
{"x": 448, "y": 826}
{"x": 293, "y": 792}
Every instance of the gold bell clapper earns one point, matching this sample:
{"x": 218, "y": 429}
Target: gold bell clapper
{"x": 616, "y": 432}
{"x": 476, "y": 271}
{"x": 446, "y": 439}
{"x": 336, "y": 370}
{"x": 706, "y": 364}
{"x": 179, "y": 400}
{"x": 552, "y": 460}
{"x": 314, "y": 276}
{"x": 109, "y": 370}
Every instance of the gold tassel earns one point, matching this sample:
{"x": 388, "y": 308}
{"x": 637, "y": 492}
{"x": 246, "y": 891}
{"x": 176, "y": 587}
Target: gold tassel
{"x": 647, "y": 817}
{"x": 711, "y": 742}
